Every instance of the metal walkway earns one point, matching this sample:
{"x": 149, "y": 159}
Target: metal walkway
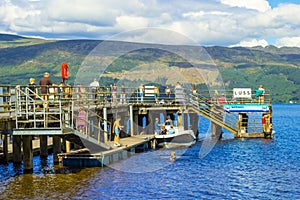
{"x": 213, "y": 112}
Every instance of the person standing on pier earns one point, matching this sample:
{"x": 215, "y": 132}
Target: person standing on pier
{"x": 261, "y": 94}
{"x": 117, "y": 129}
{"x": 179, "y": 95}
{"x": 157, "y": 126}
{"x": 94, "y": 85}
{"x": 33, "y": 88}
{"x": 168, "y": 93}
{"x": 81, "y": 120}
{"x": 141, "y": 93}
{"x": 156, "y": 94}
{"x": 45, "y": 83}
{"x": 123, "y": 94}
{"x": 114, "y": 93}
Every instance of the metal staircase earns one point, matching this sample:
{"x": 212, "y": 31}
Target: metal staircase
{"x": 35, "y": 116}
{"x": 213, "y": 112}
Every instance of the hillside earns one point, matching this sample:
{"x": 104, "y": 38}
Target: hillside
{"x": 277, "y": 68}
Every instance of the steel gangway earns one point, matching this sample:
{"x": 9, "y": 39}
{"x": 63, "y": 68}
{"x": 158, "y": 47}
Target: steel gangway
{"x": 213, "y": 112}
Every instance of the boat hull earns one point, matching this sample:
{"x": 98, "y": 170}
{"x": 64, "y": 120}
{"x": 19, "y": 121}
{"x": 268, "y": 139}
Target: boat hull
{"x": 183, "y": 138}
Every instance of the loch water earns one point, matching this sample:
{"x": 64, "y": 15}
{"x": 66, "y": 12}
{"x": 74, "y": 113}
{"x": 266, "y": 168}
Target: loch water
{"x": 232, "y": 169}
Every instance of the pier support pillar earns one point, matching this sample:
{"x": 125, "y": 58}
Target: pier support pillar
{"x": 136, "y": 123}
{"x": 179, "y": 119}
{"x": 56, "y": 148}
{"x": 5, "y": 148}
{"x": 68, "y": 146}
{"x": 27, "y": 154}
{"x": 131, "y": 120}
{"x": 216, "y": 130}
{"x": 17, "y": 153}
{"x": 194, "y": 123}
{"x": 105, "y": 125}
{"x": 150, "y": 125}
{"x": 43, "y": 146}
{"x": 186, "y": 121}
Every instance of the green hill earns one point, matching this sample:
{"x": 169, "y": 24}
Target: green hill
{"x": 277, "y": 68}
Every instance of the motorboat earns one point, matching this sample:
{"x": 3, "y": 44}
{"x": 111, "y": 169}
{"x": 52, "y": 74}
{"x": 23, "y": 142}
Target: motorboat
{"x": 181, "y": 138}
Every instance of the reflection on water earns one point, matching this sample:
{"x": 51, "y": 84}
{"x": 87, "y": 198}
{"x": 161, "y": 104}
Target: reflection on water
{"x": 238, "y": 169}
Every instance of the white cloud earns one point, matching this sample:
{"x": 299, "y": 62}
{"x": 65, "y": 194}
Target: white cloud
{"x": 288, "y": 42}
{"x": 251, "y": 43}
{"x": 214, "y": 22}
{"x": 131, "y": 22}
{"x": 260, "y": 5}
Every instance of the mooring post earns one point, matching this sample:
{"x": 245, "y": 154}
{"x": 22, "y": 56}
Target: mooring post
{"x": 27, "y": 154}
{"x": 43, "y": 146}
{"x": 56, "y": 148}
{"x": 17, "y": 153}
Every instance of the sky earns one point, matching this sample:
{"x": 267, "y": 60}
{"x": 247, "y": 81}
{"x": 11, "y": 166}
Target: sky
{"x": 206, "y": 22}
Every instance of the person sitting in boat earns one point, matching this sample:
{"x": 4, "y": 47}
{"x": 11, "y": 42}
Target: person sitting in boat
{"x": 171, "y": 130}
{"x": 163, "y": 130}
{"x": 168, "y": 122}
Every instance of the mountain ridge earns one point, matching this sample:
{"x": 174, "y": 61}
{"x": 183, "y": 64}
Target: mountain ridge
{"x": 277, "y": 68}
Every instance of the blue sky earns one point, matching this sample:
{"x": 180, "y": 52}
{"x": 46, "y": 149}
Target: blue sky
{"x": 207, "y": 22}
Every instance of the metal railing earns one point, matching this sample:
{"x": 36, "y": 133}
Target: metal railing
{"x": 92, "y": 126}
{"x": 33, "y": 112}
{"x": 214, "y": 112}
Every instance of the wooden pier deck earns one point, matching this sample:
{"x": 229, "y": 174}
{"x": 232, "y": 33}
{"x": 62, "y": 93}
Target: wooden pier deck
{"x": 129, "y": 146}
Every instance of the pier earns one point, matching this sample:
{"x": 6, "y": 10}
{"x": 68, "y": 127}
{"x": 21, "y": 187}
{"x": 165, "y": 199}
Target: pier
{"x": 26, "y": 115}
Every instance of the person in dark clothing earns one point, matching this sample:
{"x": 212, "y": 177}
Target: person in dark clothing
{"x": 32, "y": 88}
{"x": 163, "y": 131}
{"x": 45, "y": 83}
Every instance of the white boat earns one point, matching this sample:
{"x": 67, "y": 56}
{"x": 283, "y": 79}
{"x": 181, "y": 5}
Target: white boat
{"x": 181, "y": 138}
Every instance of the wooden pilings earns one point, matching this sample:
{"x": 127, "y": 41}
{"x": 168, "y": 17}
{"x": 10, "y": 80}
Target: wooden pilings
{"x": 5, "y": 148}
{"x": 43, "y": 146}
{"x": 56, "y": 148}
{"x": 17, "y": 153}
{"x": 27, "y": 153}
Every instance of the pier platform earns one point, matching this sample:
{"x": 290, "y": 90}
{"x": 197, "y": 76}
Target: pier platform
{"x": 129, "y": 146}
{"x": 79, "y": 116}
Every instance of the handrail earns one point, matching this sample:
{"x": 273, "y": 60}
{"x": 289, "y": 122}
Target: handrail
{"x": 213, "y": 112}
{"x": 104, "y": 95}
{"x": 26, "y": 106}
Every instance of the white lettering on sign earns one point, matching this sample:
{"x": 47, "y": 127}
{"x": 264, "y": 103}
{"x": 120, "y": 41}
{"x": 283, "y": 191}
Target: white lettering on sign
{"x": 242, "y": 93}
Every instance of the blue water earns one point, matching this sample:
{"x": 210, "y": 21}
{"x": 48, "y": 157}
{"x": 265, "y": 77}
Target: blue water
{"x": 233, "y": 169}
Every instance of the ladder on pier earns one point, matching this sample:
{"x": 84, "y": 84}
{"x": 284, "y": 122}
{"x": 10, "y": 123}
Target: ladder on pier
{"x": 36, "y": 116}
{"x": 213, "y": 112}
